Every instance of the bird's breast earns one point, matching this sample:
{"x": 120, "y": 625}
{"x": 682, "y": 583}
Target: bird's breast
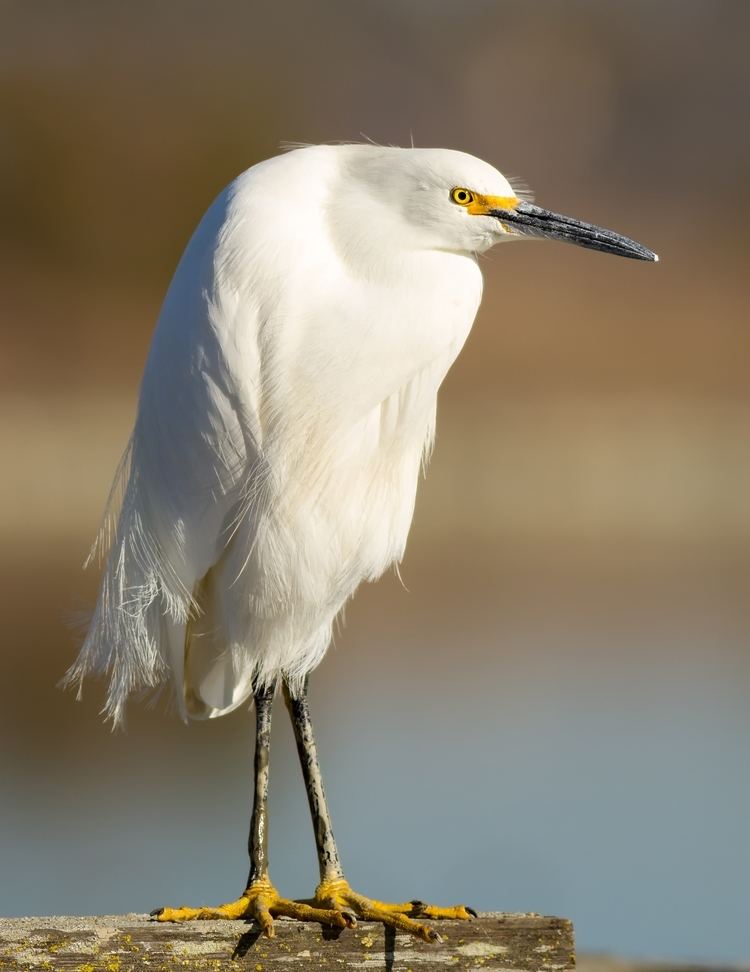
{"x": 354, "y": 408}
{"x": 357, "y": 341}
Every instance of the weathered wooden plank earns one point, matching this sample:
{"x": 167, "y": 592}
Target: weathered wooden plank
{"x": 121, "y": 943}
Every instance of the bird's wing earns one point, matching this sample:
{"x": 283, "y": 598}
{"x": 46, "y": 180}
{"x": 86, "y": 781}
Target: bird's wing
{"x": 192, "y": 457}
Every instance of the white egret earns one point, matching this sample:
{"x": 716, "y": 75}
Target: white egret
{"x": 287, "y": 404}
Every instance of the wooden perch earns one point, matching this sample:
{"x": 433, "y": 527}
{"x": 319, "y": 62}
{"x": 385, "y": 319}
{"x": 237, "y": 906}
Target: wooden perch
{"x": 120, "y": 943}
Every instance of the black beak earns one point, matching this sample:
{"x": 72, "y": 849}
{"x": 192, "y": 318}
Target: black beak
{"x": 531, "y": 220}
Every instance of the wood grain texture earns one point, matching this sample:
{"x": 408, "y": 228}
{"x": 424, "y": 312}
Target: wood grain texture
{"x": 120, "y": 943}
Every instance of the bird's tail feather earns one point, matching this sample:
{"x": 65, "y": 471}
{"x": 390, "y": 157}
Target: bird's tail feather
{"x": 141, "y": 600}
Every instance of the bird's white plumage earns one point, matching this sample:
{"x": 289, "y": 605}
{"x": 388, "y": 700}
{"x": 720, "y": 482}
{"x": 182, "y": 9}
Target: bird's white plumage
{"x": 287, "y": 403}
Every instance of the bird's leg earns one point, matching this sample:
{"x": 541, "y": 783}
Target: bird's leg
{"x": 328, "y": 855}
{"x": 333, "y": 891}
{"x": 260, "y": 900}
{"x": 257, "y": 841}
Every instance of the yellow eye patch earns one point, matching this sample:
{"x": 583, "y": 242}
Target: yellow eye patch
{"x": 479, "y": 205}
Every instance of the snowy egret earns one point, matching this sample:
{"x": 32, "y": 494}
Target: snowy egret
{"x": 287, "y": 404}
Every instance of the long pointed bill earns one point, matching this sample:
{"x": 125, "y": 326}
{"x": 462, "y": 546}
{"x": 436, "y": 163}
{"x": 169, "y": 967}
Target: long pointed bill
{"x": 530, "y": 220}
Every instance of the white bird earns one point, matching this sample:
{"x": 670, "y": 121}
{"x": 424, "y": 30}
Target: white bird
{"x": 287, "y": 405}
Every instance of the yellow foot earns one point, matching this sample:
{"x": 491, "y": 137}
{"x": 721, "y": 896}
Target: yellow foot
{"x": 336, "y": 895}
{"x": 262, "y": 903}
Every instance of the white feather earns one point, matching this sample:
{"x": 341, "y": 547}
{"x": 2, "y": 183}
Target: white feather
{"x": 287, "y": 402}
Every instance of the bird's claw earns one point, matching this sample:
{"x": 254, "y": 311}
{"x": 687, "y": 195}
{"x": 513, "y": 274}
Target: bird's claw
{"x": 336, "y": 893}
{"x": 334, "y": 904}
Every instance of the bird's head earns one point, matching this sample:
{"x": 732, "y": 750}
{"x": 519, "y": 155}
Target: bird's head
{"x": 448, "y": 200}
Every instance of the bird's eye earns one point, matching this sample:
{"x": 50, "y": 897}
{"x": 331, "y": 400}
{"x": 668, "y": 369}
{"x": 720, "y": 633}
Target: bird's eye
{"x": 462, "y": 196}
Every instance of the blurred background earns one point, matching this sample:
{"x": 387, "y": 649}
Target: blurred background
{"x": 554, "y": 715}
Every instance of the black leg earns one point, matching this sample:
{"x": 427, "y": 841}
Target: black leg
{"x": 334, "y": 892}
{"x": 328, "y": 856}
{"x": 260, "y": 900}
{"x": 257, "y": 844}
